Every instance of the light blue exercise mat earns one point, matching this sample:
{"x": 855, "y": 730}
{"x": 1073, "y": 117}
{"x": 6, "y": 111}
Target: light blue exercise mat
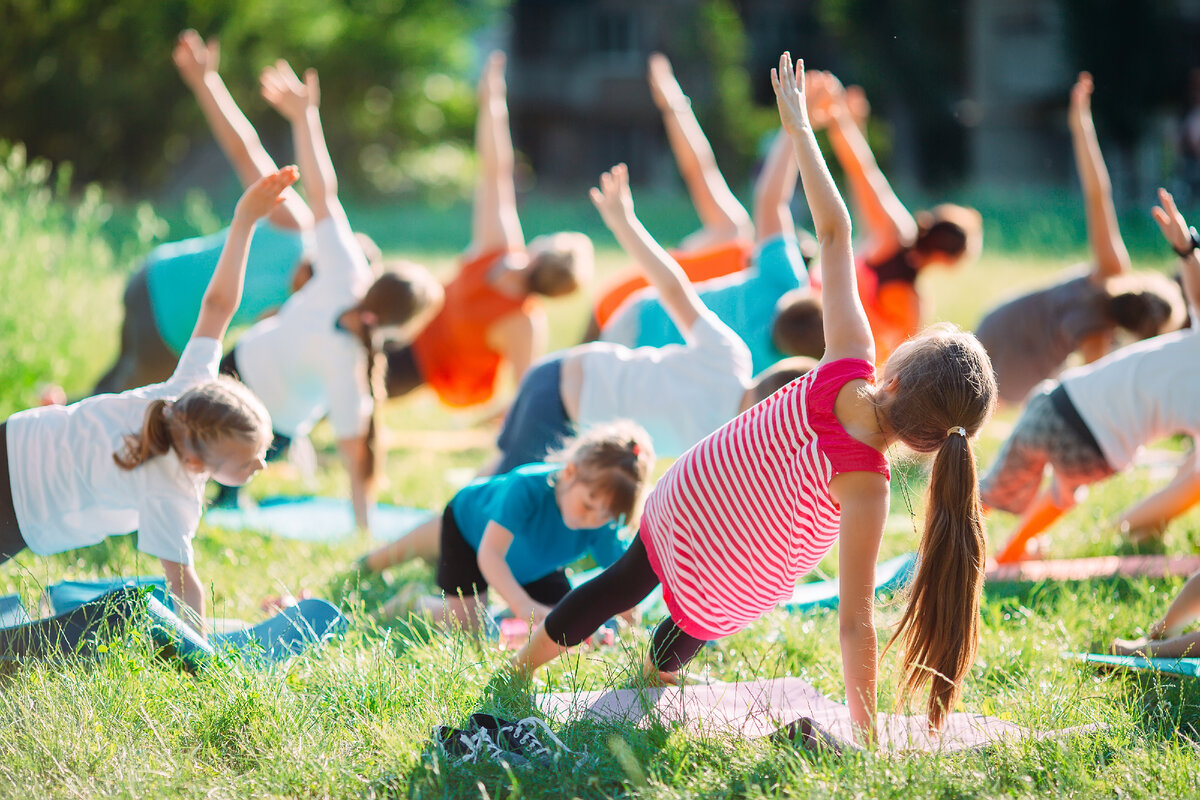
{"x": 1189, "y": 667}
{"x": 315, "y": 519}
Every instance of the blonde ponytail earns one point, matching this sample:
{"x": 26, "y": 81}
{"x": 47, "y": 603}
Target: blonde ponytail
{"x": 153, "y": 440}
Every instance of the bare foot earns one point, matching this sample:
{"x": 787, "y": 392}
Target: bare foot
{"x": 1128, "y": 647}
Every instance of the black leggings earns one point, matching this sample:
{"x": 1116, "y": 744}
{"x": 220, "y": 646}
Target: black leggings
{"x": 11, "y": 541}
{"x": 619, "y": 588}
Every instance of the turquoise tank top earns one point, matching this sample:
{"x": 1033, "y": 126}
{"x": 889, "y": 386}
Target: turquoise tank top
{"x": 177, "y": 274}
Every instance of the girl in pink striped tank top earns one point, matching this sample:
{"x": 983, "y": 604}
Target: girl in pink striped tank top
{"x": 744, "y": 513}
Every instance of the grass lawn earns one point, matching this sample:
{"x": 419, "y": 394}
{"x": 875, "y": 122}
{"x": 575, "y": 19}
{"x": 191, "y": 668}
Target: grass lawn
{"x": 353, "y": 718}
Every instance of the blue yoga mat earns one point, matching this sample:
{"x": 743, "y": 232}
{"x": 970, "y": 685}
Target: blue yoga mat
{"x": 12, "y": 611}
{"x": 1189, "y": 667}
{"x": 69, "y": 595}
{"x": 890, "y": 576}
{"x": 316, "y": 519}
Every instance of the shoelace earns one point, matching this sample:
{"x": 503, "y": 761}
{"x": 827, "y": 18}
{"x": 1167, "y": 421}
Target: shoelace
{"x": 528, "y": 734}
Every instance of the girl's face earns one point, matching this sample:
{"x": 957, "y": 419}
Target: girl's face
{"x": 581, "y": 506}
{"x": 234, "y": 461}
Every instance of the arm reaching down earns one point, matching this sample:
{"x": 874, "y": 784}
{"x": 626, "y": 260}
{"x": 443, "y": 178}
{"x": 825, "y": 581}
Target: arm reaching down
{"x": 495, "y": 570}
{"x": 184, "y": 585}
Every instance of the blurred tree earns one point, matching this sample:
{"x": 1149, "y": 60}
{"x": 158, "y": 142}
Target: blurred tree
{"x": 91, "y": 81}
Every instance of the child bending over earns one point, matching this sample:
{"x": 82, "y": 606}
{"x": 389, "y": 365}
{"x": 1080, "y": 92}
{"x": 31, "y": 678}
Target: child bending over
{"x": 114, "y": 463}
{"x": 515, "y": 532}
{"x": 747, "y": 511}
{"x": 1092, "y": 424}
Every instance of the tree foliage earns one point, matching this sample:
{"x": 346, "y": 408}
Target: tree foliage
{"x": 91, "y": 81}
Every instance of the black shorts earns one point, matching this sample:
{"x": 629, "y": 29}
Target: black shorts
{"x": 458, "y": 569}
{"x": 11, "y": 541}
{"x": 537, "y": 422}
{"x": 403, "y": 375}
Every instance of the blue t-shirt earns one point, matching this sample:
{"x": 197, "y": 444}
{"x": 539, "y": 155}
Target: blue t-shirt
{"x": 523, "y": 502}
{"x": 177, "y": 275}
{"x": 745, "y": 301}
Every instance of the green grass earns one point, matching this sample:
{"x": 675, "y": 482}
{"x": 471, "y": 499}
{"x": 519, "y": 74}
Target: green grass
{"x": 352, "y": 719}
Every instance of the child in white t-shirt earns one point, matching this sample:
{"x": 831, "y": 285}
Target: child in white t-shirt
{"x": 113, "y": 463}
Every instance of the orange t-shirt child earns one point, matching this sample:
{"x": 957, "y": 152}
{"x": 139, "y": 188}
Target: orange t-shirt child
{"x": 698, "y": 265}
{"x": 452, "y": 353}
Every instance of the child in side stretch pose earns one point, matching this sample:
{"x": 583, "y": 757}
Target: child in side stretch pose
{"x": 317, "y": 356}
{"x": 1091, "y": 424}
{"x": 743, "y": 514}
{"x": 1166, "y": 637}
{"x": 1030, "y": 337}
{"x": 901, "y": 244}
{"x": 72, "y": 475}
{"x": 491, "y": 315}
{"x": 515, "y": 532}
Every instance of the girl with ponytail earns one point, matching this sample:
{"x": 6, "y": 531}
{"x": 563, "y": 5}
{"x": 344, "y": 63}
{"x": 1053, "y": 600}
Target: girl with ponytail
{"x": 318, "y": 356}
{"x": 743, "y": 514}
{"x": 114, "y": 463}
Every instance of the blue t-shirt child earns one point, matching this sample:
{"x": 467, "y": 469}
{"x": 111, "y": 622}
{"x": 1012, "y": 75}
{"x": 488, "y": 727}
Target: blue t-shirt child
{"x": 523, "y": 502}
{"x": 177, "y": 274}
{"x": 745, "y": 301}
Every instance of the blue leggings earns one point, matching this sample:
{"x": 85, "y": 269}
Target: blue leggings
{"x": 619, "y": 588}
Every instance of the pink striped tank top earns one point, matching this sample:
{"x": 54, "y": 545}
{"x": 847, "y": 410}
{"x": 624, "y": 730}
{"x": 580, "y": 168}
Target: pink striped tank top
{"x": 739, "y": 517}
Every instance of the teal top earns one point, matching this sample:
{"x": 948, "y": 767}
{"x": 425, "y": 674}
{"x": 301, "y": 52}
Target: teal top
{"x": 745, "y": 301}
{"x": 523, "y": 502}
{"x": 177, "y": 274}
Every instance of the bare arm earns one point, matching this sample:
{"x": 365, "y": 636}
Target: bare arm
{"x": 614, "y": 201}
{"x": 184, "y": 585}
{"x": 197, "y": 62}
{"x": 362, "y": 489}
{"x": 299, "y": 104}
{"x": 847, "y": 332}
{"x": 890, "y": 225}
{"x": 1104, "y": 237}
{"x": 224, "y": 292}
{"x": 1177, "y": 233}
{"x": 863, "y": 497}
{"x": 723, "y": 217}
{"x": 773, "y": 192}
{"x": 495, "y": 570}
{"x": 494, "y": 222}
{"x": 520, "y": 338}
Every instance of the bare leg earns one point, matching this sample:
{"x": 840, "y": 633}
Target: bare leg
{"x": 723, "y": 218}
{"x": 423, "y": 542}
{"x": 1179, "y": 647}
{"x": 467, "y": 613}
{"x": 1040, "y": 516}
{"x": 539, "y": 650}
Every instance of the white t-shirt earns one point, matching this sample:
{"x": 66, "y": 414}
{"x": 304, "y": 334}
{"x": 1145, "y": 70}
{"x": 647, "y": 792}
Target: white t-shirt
{"x": 298, "y": 362}
{"x": 67, "y": 490}
{"x": 1139, "y": 393}
{"x": 679, "y": 393}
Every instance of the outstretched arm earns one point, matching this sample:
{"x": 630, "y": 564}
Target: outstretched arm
{"x": 614, "y": 201}
{"x": 1165, "y": 638}
{"x": 773, "y": 192}
{"x": 224, "y": 292}
{"x": 1104, "y": 237}
{"x": 185, "y": 587}
{"x": 891, "y": 226}
{"x": 494, "y": 222}
{"x": 723, "y": 218}
{"x": 298, "y": 102}
{"x": 847, "y": 332}
{"x": 197, "y": 62}
{"x": 493, "y": 549}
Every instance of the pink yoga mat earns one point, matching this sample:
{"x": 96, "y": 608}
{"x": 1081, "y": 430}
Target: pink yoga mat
{"x": 1080, "y": 569}
{"x": 787, "y": 707}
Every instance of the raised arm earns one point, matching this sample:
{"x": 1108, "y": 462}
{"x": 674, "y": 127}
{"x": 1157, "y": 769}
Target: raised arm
{"x": 224, "y": 292}
{"x": 722, "y": 216}
{"x": 298, "y": 102}
{"x": 494, "y": 221}
{"x": 197, "y": 62}
{"x": 890, "y": 225}
{"x": 1104, "y": 237}
{"x": 847, "y": 332}
{"x": 614, "y": 201}
{"x": 1177, "y": 233}
{"x": 773, "y": 191}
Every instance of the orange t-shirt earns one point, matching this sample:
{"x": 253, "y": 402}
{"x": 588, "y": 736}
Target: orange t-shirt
{"x": 890, "y": 305}
{"x": 700, "y": 265}
{"x": 452, "y": 353}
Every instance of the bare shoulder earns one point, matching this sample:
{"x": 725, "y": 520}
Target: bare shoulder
{"x": 860, "y": 491}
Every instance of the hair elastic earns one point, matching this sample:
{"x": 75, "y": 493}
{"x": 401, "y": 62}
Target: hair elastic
{"x": 959, "y": 429}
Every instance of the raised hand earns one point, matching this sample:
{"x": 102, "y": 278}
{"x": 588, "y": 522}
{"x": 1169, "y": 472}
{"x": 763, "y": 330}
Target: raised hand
{"x": 1172, "y": 224}
{"x": 491, "y": 81}
{"x": 612, "y": 198}
{"x": 265, "y": 194}
{"x": 858, "y": 105}
{"x": 1081, "y": 97}
{"x": 195, "y": 58}
{"x": 789, "y": 94}
{"x": 663, "y": 87}
{"x": 282, "y": 88}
